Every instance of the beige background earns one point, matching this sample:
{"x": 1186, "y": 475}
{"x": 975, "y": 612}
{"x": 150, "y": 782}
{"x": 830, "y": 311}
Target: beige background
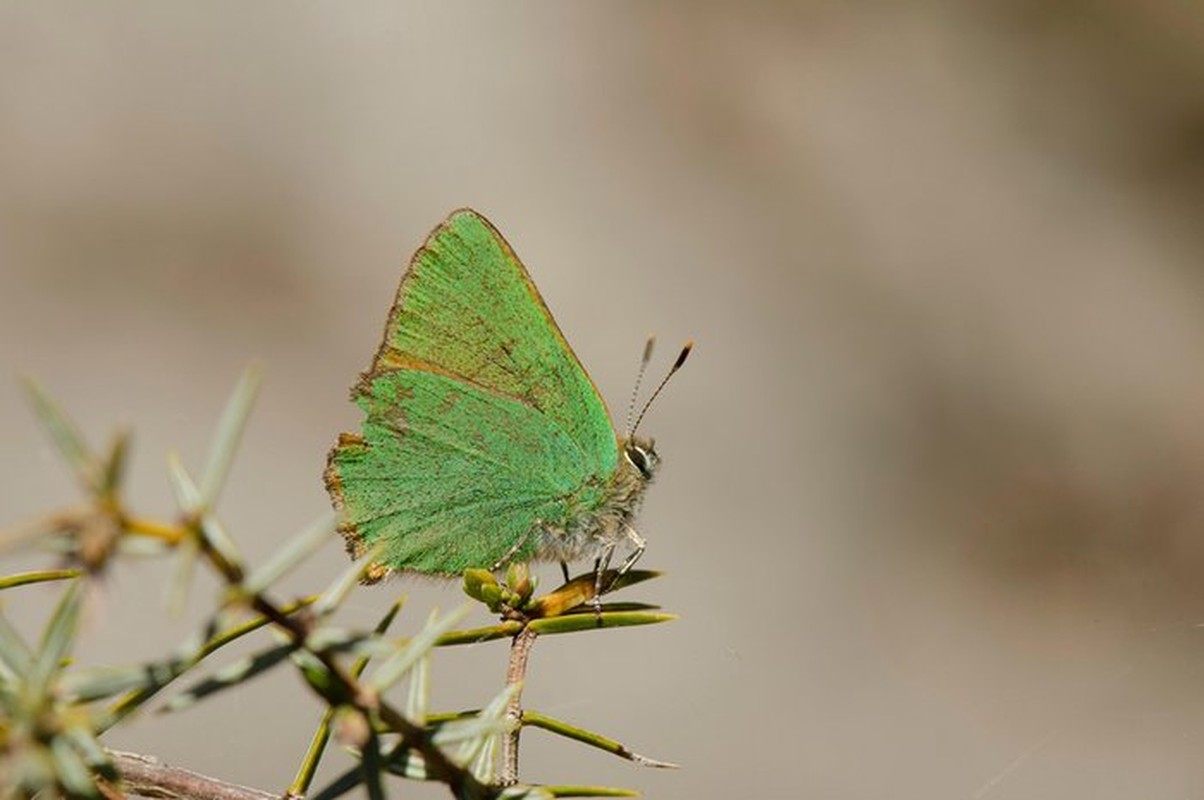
{"x": 931, "y": 501}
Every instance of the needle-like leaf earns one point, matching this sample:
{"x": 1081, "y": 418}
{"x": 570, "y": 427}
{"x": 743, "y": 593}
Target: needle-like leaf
{"x": 569, "y": 623}
{"x": 58, "y": 639}
{"x": 39, "y": 576}
{"x": 113, "y": 469}
{"x": 14, "y": 653}
{"x": 289, "y": 556}
{"x": 89, "y": 749}
{"x": 188, "y": 497}
{"x": 418, "y": 698}
{"x": 489, "y": 725}
{"x": 229, "y": 431}
{"x": 183, "y": 568}
{"x": 344, "y": 783}
{"x": 597, "y": 740}
{"x": 70, "y": 769}
{"x": 522, "y": 792}
{"x": 338, "y": 590}
{"x": 96, "y": 683}
{"x": 396, "y": 666}
{"x": 372, "y": 768}
{"x": 503, "y": 630}
{"x": 233, "y": 674}
{"x": 66, "y": 436}
{"x": 588, "y": 791}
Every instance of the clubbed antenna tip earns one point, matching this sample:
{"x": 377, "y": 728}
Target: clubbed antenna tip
{"x": 681, "y": 359}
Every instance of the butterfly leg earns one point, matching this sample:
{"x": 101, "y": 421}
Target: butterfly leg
{"x": 637, "y": 549}
{"x": 501, "y": 562}
{"x": 564, "y": 568}
{"x": 601, "y": 564}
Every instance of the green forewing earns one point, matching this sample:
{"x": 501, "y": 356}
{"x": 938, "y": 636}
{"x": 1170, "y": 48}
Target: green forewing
{"x": 468, "y": 307}
{"x": 481, "y": 426}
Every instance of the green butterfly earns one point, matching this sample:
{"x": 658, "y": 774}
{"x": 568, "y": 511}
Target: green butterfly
{"x": 484, "y": 440}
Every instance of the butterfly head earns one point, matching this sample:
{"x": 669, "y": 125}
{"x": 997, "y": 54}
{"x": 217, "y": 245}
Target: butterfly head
{"x": 640, "y": 453}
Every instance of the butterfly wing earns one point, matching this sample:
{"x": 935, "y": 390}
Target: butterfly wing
{"x": 481, "y": 425}
{"x": 468, "y": 308}
{"x": 450, "y": 475}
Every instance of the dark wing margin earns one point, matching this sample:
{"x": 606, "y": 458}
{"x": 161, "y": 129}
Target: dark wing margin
{"x": 467, "y": 307}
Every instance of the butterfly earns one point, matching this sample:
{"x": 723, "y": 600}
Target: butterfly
{"x": 484, "y": 441}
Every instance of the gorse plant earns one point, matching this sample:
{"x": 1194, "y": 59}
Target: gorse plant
{"x": 54, "y": 713}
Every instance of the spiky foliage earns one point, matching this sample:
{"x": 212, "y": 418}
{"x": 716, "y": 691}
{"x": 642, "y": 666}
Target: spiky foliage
{"x": 54, "y": 713}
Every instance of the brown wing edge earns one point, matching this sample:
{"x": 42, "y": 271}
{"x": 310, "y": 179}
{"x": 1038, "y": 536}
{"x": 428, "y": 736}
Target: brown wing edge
{"x": 352, "y": 538}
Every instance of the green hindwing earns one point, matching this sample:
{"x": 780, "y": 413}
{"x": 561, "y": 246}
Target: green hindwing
{"x": 482, "y": 429}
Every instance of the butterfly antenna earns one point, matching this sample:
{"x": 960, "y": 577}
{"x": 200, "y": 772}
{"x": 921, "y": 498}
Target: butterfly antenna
{"x": 639, "y": 378}
{"x": 681, "y": 359}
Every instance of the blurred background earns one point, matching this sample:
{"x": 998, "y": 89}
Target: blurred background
{"x": 931, "y": 501}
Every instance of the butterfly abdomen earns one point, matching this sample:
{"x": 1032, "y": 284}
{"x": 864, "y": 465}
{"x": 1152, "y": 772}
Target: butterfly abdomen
{"x": 596, "y": 516}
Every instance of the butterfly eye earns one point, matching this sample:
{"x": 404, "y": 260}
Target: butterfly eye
{"x": 641, "y": 459}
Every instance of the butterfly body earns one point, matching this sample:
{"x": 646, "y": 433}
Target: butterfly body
{"x": 484, "y": 440}
{"x": 596, "y": 521}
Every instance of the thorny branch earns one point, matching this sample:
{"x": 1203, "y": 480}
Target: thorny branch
{"x": 516, "y": 671}
{"x": 146, "y": 776}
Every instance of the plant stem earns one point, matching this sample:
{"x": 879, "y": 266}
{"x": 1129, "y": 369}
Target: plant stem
{"x": 149, "y": 777}
{"x": 516, "y": 672}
